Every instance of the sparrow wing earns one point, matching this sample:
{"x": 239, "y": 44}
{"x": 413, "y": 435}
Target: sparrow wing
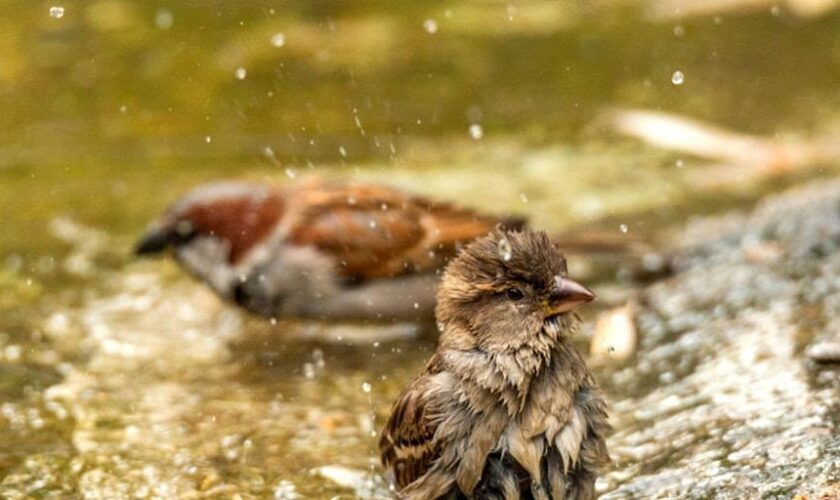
{"x": 375, "y": 231}
{"x": 408, "y": 446}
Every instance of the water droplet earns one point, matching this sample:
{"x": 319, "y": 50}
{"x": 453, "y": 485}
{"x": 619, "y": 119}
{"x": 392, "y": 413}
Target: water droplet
{"x": 309, "y": 371}
{"x": 359, "y": 124}
{"x": 13, "y": 352}
{"x": 278, "y": 40}
{"x": 505, "y": 252}
{"x": 511, "y": 11}
{"x": 776, "y": 10}
{"x": 208, "y": 139}
{"x": 285, "y": 490}
{"x": 366, "y": 387}
{"x": 164, "y": 19}
{"x": 342, "y": 151}
{"x": 679, "y": 31}
{"x": 269, "y": 154}
{"x": 290, "y": 173}
{"x": 273, "y": 321}
{"x": 476, "y": 131}
{"x": 56, "y": 12}
{"x": 123, "y": 108}
{"x": 679, "y": 163}
{"x": 372, "y": 224}
{"x": 416, "y": 305}
{"x": 677, "y": 78}
{"x": 431, "y": 26}
{"x": 523, "y": 197}
{"x": 623, "y": 228}
{"x": 601, "y": 484}
{"x": 318, "y": 357}
{"x": 241, "y": 73}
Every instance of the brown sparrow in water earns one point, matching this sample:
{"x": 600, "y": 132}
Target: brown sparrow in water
{"x": 317, "y": 250}
{"x": 506, "y": 407}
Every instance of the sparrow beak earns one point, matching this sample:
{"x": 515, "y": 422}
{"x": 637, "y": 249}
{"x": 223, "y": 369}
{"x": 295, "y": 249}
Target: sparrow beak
{"x": 154, "y": 241}
{"x": 567, "y": 295}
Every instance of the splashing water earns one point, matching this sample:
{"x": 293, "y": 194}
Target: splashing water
{"x": 56, "y": 12}
{"x": 431, "y": 26}
{"x": 678, "y": 78}
{"x": 285, "y": 490}
{"x": 278, "y": 40}
{"x": 505, "y": 252}
{"x": 476, "y": 131}
{"x": 164, "y": 19}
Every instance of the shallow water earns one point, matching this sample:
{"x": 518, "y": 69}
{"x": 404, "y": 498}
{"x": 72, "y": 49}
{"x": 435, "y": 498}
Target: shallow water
{"x": 123, "y": 378}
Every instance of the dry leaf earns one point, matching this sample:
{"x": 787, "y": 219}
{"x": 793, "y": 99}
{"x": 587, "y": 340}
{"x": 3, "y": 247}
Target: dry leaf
{"x": 615, "y": 333}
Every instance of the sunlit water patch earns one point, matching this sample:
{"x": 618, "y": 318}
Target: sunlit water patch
{"x": 167, "y": 396}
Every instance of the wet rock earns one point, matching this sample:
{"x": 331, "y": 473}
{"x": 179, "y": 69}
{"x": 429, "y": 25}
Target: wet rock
{"x": 722, "y": 403}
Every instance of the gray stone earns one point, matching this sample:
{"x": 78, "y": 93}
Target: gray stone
{"x": 722, "y": 401}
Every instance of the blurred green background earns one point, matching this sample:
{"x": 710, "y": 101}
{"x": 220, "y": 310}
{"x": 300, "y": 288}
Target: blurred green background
{"x": 113, "y": 108}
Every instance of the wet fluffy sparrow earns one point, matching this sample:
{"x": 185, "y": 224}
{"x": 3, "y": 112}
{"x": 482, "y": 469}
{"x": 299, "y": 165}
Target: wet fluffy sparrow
{"x": 317, "y": 250}
{"x": 506, "y": 407}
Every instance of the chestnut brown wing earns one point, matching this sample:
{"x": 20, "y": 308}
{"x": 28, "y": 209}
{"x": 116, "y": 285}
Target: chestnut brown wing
{"x": 408, "y": 446}
{"x": 374, "y": 231}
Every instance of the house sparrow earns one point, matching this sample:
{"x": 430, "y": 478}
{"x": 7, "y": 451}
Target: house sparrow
{"x": 317, "y": 250}
{"x": 506, "y": 407}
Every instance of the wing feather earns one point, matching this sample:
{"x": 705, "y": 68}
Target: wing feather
{"x": 408, "y": 446}
{"x": 376, "y": 231}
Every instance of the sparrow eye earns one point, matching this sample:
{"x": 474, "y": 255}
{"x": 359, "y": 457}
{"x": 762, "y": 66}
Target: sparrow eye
{"x": 515, "y": 294}
{"x": 184, "y": 228}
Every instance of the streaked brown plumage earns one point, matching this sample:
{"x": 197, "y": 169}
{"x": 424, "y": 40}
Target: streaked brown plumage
{"x": 379, "y": 232}
{"x": 506, "y": 407}
{"x": 338, "y": 250}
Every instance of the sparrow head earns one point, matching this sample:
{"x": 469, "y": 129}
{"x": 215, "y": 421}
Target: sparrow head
{"x": 505, "y": 287}
{"x": 235, "y": 215}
